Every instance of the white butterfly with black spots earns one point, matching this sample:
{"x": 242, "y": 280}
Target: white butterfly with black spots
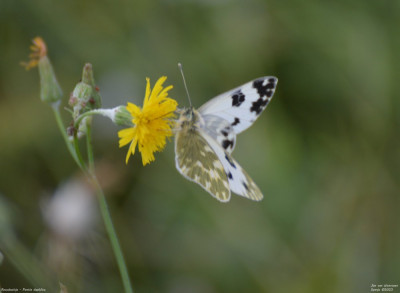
{"x": 206, "y": 138}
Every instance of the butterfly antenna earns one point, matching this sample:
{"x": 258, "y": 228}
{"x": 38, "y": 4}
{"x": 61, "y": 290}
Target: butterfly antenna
{"x": 184, "y": 82}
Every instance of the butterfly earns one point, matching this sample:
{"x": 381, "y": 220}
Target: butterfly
{"x": 206, "y": 138}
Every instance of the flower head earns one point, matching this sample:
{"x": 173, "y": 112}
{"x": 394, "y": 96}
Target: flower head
{"x": 50, "y": 90}
{"x": 39, "y": 50}
{"x": 152, "y": 122}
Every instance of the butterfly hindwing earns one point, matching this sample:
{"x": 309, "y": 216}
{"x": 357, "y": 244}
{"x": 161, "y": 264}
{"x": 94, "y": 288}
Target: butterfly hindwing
{"x": 221, "y": 131}
{"x": 239, "y": 181}
{"x": 242, "y": 105}
{"x": 197, "y": 161}
{"x": 244, "y": 186}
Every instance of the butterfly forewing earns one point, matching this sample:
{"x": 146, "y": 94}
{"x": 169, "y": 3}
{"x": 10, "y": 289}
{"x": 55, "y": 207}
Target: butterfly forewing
{"x": 197, "y": 161}
{"x": 242, "y": 105}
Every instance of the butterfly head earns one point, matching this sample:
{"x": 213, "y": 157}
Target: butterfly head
{"x": 189, "y": 118}
{"x": 184, "y": 112}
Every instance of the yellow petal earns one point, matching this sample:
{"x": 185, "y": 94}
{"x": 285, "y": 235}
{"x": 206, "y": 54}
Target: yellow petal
{"x": 164, "y": 92}
{"x": 147, "y": 94}
{"x": 133, "y": 109}
{"x": 126, "y": 135}
{"x": 158, "y": 87}
{"x": 131, "y": 150}
{"x": 147, "y": 156}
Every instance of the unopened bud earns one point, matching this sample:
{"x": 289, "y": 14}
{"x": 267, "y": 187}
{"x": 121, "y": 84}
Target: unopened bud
{"x": 88, "y": 78}
{"x": 85, "y": 96}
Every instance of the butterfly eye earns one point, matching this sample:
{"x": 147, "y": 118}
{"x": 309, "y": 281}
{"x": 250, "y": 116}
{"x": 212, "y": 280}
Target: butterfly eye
{"x": 185, "y": 124}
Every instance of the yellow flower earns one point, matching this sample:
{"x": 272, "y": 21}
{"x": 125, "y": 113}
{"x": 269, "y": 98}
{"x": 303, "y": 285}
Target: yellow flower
{"x": 39, "y": 50}
{"x": 152, "y": 123}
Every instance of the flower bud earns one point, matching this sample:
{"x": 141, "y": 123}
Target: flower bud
{"x": 87, "y": 78}
{"x": 79, "y": 99}
{"x": 85, "y": 96}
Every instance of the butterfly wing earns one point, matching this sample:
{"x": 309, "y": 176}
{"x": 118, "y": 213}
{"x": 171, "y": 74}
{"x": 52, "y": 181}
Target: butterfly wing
{"x": 197, "y": 161}
{"x": 242, "y": 105}
{"x": 221, "y": 131}
{"x": 239, "y": 181}
{"x": 205, "y": 142}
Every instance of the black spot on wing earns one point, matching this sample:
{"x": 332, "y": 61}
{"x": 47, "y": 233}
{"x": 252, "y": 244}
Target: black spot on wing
{"x": 245, "y": 185}
{"x": 229, "y": 175}
{"x": 236, "y": 122}
{"x": 230, "y": 161}
{"x": 237, "y": 98}
{"x": 259, "y": 105}
{"x": 265, "y": 90}
{"x": 224, "y": 133}
{"x": 226, "y": 143}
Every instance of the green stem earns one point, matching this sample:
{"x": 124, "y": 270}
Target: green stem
{"x": 89, "y": 144}
{"x": 23, "y": 261}
{"x": 60, "y": 125}
{"x": 86, "y": 114}
{"x": 81, "y": 164}
{"x": 112, "y": 235}
{"x": 105, "y": 213}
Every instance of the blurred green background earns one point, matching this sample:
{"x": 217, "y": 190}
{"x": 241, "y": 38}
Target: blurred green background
{"x": 326, "y": 152}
